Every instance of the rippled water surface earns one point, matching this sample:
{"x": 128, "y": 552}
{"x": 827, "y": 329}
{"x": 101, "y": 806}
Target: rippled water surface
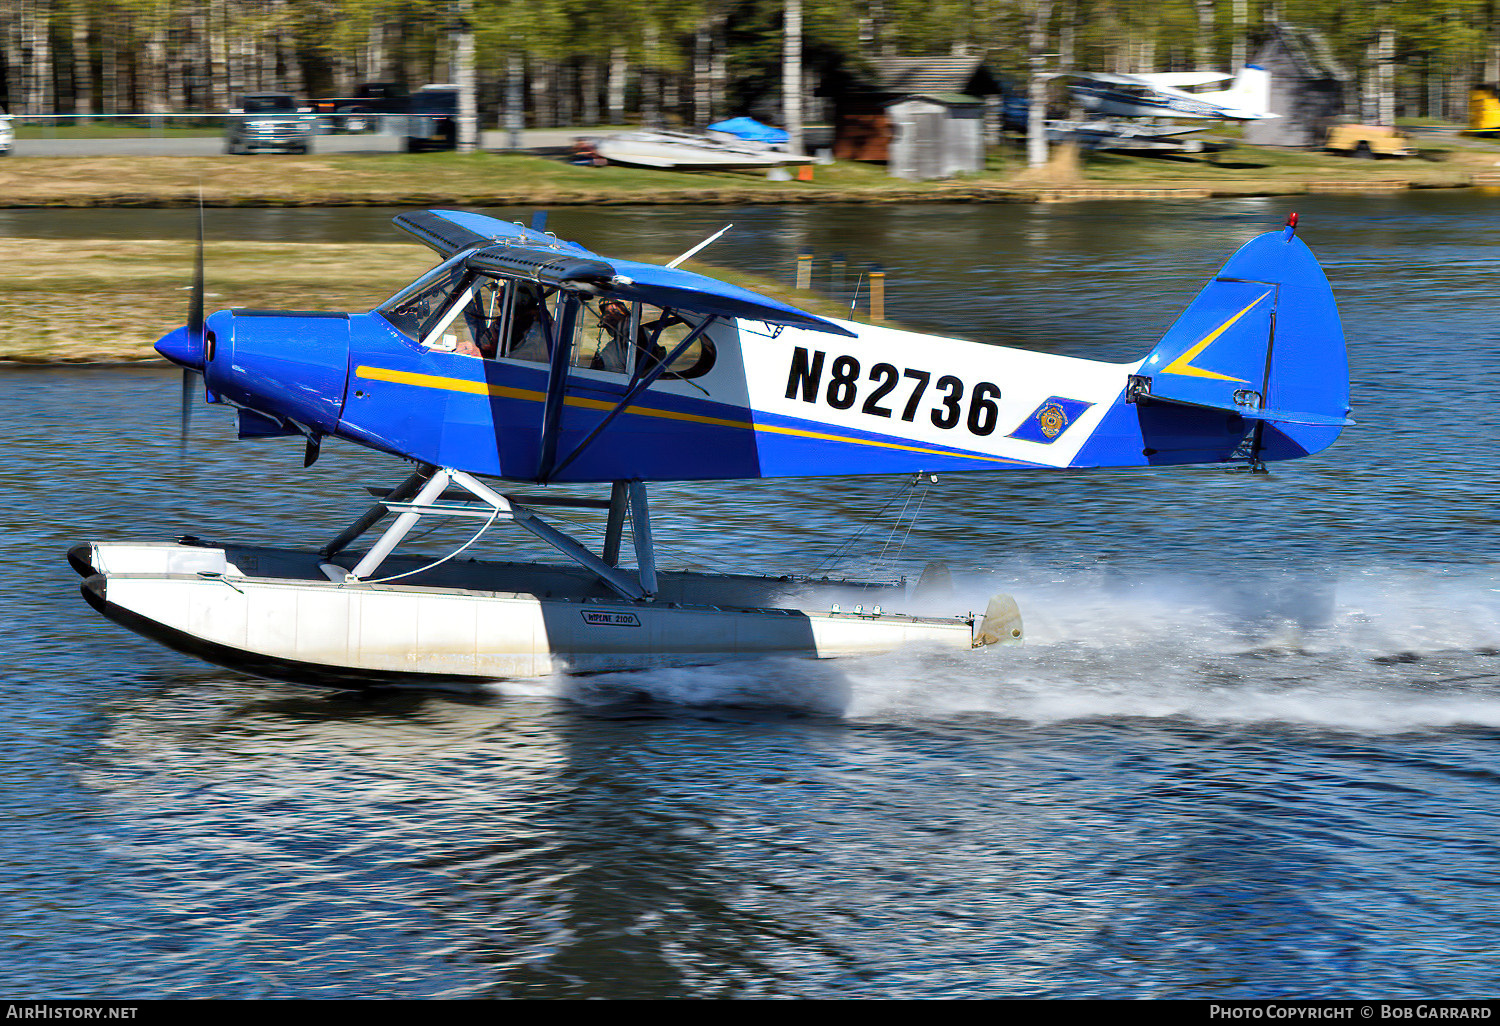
{"x": 1251, "y": 750}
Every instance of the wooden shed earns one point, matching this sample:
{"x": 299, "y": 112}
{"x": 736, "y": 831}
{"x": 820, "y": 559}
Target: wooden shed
{"x": 1307, "y": 88}
{"x": 862, "y": 105}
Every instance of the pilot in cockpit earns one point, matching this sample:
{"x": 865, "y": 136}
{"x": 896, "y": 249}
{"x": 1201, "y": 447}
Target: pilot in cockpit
{"x": 482, "y": 318}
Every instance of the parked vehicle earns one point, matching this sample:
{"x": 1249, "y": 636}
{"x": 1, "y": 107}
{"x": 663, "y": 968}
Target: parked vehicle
{"x": 362, "y": 111}
{"x": 268, "y": 121}
{"x": 433, "y": 120}
{"x": 7, "y": 134}
{"x": 1369, "y": 141}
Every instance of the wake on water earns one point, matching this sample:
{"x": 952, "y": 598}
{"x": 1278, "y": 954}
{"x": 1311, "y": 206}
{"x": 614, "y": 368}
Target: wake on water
{"x": 1371, "y": 651}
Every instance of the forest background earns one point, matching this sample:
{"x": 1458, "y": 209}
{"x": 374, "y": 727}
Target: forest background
{"x": 664, "y": 62}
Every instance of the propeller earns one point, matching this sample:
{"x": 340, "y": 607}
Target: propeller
{"x": 195, "y": 335}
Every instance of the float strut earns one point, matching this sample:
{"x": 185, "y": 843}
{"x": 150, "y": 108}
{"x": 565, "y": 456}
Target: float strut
{"x": 404, "y": 523}
{"x": 376, "y": 513}
{"x": 619, "y": 501}
{"x": 640, "y": 524}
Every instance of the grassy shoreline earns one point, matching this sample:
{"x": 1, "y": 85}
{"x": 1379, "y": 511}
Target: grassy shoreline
{"x": 107, "y": 301}
{"x": 517, "y": 179}
{"x": 100, "y": 302}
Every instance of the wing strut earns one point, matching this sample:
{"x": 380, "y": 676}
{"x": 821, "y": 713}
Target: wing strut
{"x": 560, "y": 335}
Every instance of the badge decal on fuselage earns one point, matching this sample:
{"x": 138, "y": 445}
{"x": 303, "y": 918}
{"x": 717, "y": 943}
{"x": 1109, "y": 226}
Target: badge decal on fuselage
{"x": 1049, "y": 420}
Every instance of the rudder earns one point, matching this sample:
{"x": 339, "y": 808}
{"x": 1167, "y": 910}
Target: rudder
{"x": 1262, "y": 340}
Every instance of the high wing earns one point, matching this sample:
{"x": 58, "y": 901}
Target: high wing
{"x": 1164, "y": 95}
{"x": 505, "y": 249}
{"x": 1181, "y": 79}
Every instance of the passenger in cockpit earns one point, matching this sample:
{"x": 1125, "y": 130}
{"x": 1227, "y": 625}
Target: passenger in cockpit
{"x": 614, "y": 331}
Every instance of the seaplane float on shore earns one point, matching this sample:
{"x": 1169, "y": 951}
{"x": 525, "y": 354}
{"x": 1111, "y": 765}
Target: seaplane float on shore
{"x": 521, "y": 361}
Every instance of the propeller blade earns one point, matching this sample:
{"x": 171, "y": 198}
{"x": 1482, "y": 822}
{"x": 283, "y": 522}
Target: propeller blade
{"x": 311, "y": 453}
{"x": 196, "y": 333}
{"x": 195, "y": 304}
{"x": 189, "y": 386}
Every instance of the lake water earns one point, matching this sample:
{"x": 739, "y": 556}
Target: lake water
{"x": 1252, "y": 748}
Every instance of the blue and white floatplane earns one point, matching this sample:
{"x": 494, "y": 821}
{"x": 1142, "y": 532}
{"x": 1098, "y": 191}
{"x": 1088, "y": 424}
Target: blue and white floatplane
{"x": 521, "y": 360}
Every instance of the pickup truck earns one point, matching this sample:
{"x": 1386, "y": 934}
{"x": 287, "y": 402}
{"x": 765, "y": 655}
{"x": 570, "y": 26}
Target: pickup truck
{"x": 267, "y": 121}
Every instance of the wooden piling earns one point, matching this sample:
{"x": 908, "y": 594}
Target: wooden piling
{"x": 877, "y": 294}
{"x": 804, "y": 268}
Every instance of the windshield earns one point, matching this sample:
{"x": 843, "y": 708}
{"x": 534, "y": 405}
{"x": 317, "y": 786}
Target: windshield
{"x": 415, "y": 309}
{"x": 270, "y": 105}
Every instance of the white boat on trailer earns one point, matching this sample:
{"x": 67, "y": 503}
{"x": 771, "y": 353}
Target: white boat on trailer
{"x": 683, "y": 151}
{"x": 356, "y": 620}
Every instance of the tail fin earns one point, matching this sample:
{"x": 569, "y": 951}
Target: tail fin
{"x": 1263, "y": 341}
{"x": 1250, "y": 91}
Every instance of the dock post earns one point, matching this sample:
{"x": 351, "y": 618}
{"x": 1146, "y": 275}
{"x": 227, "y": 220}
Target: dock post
{"x": 804, "y": 268}
{"x": 877, "y": 294}
{"x": 836, "y": 265}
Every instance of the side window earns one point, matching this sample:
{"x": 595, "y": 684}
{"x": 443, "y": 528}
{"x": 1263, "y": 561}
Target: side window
{"x": 522, "y": 333}
{"x": 483, "y": 321}
{"x": 604, "y": 340}
{"x": 603, "y": 334}
{"x": 663, "y": 331}
{"x": 506, "y": 319}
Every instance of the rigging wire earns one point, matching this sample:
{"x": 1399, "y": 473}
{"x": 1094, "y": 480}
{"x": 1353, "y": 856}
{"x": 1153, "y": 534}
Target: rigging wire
{"x": 921, "y": 498}
{"x": 842, "y": 551}
{"x": 896, "y": 523}
{"x": 483, "y": 528}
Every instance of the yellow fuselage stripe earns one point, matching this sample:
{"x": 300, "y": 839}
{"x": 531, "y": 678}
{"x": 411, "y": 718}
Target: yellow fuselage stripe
{"x": 533, "y": 396}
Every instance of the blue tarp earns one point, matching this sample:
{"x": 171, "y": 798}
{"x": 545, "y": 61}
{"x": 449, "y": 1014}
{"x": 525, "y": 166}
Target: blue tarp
{"x": 749, "y": 128}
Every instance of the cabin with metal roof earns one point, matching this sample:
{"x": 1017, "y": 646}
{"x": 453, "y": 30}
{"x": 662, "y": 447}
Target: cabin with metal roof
{"x": 1308, "y": 88}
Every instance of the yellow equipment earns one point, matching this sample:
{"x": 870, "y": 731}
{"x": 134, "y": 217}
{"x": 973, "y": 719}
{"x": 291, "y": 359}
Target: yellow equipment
{"x": 1484, "y": 112}
{"x": 1369, "y": 141}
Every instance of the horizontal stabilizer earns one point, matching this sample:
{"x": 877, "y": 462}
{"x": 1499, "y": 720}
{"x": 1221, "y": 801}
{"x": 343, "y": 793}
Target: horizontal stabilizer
{"x": 1279, "y": 416}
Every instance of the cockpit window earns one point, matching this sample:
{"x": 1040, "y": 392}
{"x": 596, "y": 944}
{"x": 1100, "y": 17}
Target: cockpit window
{"x": 512, "y": 320}
{"x": 603, "y": 341}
